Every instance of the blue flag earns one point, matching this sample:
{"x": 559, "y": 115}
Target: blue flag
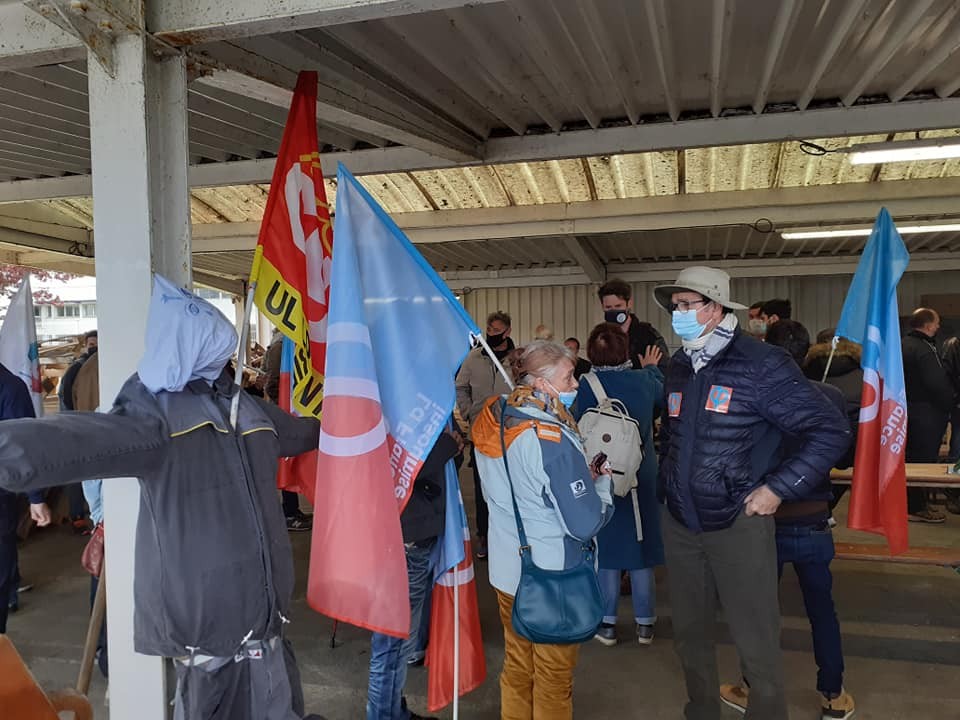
{"x": 871, "y": 317}
{"x": 396, "y": 336}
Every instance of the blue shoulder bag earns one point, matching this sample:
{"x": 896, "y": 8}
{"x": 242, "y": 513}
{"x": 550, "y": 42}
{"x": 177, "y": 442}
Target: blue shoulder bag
{"x": 553, "y": 607}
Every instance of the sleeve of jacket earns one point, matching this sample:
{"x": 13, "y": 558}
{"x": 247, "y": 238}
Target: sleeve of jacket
{"x": 936, "y": 379}
{"x": 653, "y": 377}
{"x": 583, "y": 506}
{"x": 443, "y": 450}
{"x": 792, "y": 404}
{"x": 69, "y": 448}
{"x": 951, "y": 362}
{"x": 297, "y": 435}
{"x": 15, "y": 402}
{"x": 464, "y": 399}
{"x": 272, "y": 360}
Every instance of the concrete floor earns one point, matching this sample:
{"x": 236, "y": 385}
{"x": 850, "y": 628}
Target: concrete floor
{"x": 901, "y": 637}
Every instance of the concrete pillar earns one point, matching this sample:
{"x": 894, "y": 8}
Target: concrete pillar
{"x": 141, "y": 217}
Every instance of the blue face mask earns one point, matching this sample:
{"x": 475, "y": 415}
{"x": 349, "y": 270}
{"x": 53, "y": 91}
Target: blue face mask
{"x": 686, "y": 326}
{"x": 567, "y": 399}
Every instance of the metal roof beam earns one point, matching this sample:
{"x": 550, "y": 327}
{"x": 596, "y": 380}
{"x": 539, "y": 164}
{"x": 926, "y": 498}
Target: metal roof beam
{"x": 854, "y": 202}
{"x": 27, "y": 40}
{"x": 667, "y": 271}
{"x": 254, "y": 77}
{"x": 851, "y": 12}
{"x": 916, "y": 13}
{"x": 187, "y": 22}
{"x": 782, "y": 28}
{"x": 587, "y": 258}
{"x": 725, "y": 131}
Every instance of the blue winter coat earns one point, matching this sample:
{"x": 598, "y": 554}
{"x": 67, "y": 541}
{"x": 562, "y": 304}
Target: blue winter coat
{"x": 617, "y": 548}
{"x": 725, "y": 428}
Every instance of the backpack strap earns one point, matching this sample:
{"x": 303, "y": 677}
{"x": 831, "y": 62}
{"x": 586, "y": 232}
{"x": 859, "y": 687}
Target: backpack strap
{"x": 594, "y": 382}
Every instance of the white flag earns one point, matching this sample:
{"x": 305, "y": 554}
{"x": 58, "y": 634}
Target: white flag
{"x": 18, "y": 343}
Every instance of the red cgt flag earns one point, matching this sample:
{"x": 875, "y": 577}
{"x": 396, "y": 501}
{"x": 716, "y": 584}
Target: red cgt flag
{"x": 291, "y": 267}
{"x": 292, "y": 271}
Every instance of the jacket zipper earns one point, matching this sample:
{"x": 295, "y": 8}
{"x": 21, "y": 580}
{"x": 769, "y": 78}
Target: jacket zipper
{"x": 264, "y": 556}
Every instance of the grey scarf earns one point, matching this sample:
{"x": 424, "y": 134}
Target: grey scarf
{"x": 702, "y": 352}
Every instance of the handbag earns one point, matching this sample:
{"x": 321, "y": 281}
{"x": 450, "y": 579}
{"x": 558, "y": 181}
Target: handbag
{"x": 92, "y": 557}
{"x": 553, "y": 606}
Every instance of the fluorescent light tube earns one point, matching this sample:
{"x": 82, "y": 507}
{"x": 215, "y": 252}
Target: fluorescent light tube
{"x": 906, "y": 151}
{"x": 863, "y": 232}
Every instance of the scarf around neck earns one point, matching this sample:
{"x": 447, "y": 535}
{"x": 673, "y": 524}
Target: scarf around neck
{"x": 524, "y": 395}
{"x": 705, "y": 348}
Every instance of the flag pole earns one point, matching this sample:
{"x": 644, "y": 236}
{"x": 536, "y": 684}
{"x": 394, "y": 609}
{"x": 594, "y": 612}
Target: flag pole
{"x": 496, "y": 362}
{"x": 456, "y": 646}
{"x": 242, "y": 355}
{"x": 833, "y": 351}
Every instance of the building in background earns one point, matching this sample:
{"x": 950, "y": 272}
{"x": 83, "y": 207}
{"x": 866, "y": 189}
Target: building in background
{"x": 75, "y": 310}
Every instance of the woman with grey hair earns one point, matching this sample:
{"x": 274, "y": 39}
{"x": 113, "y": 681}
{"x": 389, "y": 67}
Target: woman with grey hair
{"x": 562, "y": 501}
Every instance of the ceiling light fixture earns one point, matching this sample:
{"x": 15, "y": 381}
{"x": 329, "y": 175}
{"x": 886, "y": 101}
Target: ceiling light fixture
{"x": 905, "y": 151}
{"x": 864, "y": 231}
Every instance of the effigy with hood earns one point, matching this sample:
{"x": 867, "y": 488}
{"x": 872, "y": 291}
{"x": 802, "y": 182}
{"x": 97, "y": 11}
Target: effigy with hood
{"x": 214, "y": 569}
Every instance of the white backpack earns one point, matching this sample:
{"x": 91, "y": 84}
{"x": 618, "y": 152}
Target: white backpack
{"x": 608, "y": 428}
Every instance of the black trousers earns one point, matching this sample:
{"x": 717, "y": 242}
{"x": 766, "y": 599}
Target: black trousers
{"x": 483, "y": 512}
{"x": 925, "y": 430}
{"x": 8, "y": 553}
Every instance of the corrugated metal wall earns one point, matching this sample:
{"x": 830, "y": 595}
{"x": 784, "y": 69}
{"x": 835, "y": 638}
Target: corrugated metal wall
{"x": 574, "y": 309}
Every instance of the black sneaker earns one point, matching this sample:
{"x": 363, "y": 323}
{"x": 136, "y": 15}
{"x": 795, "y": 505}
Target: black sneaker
{"x": 644, "y": 634}
{"x": 481, "y": 548}
{"x": 414, "y": 716}
{"x": 417, "y": 659}
{"x": 607, "y": 634}
{"x": 299, "y": 524}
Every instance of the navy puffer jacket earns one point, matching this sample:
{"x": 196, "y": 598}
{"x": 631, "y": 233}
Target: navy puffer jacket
{"x": 725, "y": 428}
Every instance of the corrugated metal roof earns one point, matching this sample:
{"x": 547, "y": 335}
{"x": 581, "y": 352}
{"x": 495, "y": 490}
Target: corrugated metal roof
{"x": 526, "y": 66}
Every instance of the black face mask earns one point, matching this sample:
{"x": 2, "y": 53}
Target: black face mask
{"x": 495, "y": 340}
{"x": 616, "y": 316}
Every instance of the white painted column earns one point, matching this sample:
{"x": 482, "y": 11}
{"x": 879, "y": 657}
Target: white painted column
{"x": 141, "y": 219}
{"x": 264, "y": 329}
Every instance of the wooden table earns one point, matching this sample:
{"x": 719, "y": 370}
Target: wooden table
{"x": 929, "y": 475}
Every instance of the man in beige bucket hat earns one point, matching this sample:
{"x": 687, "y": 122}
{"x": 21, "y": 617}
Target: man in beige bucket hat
{"x": 730, "y": 400}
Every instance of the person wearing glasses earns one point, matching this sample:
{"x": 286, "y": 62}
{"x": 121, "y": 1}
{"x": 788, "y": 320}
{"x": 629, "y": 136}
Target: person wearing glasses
{"x": 730, "y": 399}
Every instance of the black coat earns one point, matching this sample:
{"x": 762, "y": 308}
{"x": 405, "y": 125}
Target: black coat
{"x": 423, "y": 519}
{"x": 725, "y": 430}
{"x": 642, "y": 335}
{"x": 929, "y": 390}
{"x": 846, "y": 375}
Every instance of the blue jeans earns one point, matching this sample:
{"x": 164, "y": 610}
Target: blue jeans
{"x": 388, "y": 655}
{"x": 811, "y": 550}
{"x": 644, "y": 594}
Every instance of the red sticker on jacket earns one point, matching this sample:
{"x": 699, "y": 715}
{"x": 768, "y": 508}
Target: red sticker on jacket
{"x": 718, "y": 400}
{"x": 673, "y": 404}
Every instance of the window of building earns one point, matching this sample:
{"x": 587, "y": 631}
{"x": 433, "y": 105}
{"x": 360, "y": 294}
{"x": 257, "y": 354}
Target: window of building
{"x": 65, "y": 310}
{"x": 89, "y": 310}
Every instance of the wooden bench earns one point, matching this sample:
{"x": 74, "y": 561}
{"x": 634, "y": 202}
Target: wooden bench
{"x": 939, "y": 556}
{"x": 22, "y": 698}
{"x": 928, "y": 475}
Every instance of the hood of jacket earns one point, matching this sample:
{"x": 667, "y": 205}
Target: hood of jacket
{"x": 845, "y": 360}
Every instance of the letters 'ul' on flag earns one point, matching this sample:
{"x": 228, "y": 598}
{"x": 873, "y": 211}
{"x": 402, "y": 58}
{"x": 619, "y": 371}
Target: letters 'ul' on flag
{"x": 870, "y": 316}
{"x": 454, "y": 609}
{"x": 294, "y": 474}
{"x": 18, "y": 343}
{"x": 396, "y": 337}
{"x": 292, "y": 263}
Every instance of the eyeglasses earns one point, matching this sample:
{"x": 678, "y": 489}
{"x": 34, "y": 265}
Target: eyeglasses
{"x": 685, "y": 305}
